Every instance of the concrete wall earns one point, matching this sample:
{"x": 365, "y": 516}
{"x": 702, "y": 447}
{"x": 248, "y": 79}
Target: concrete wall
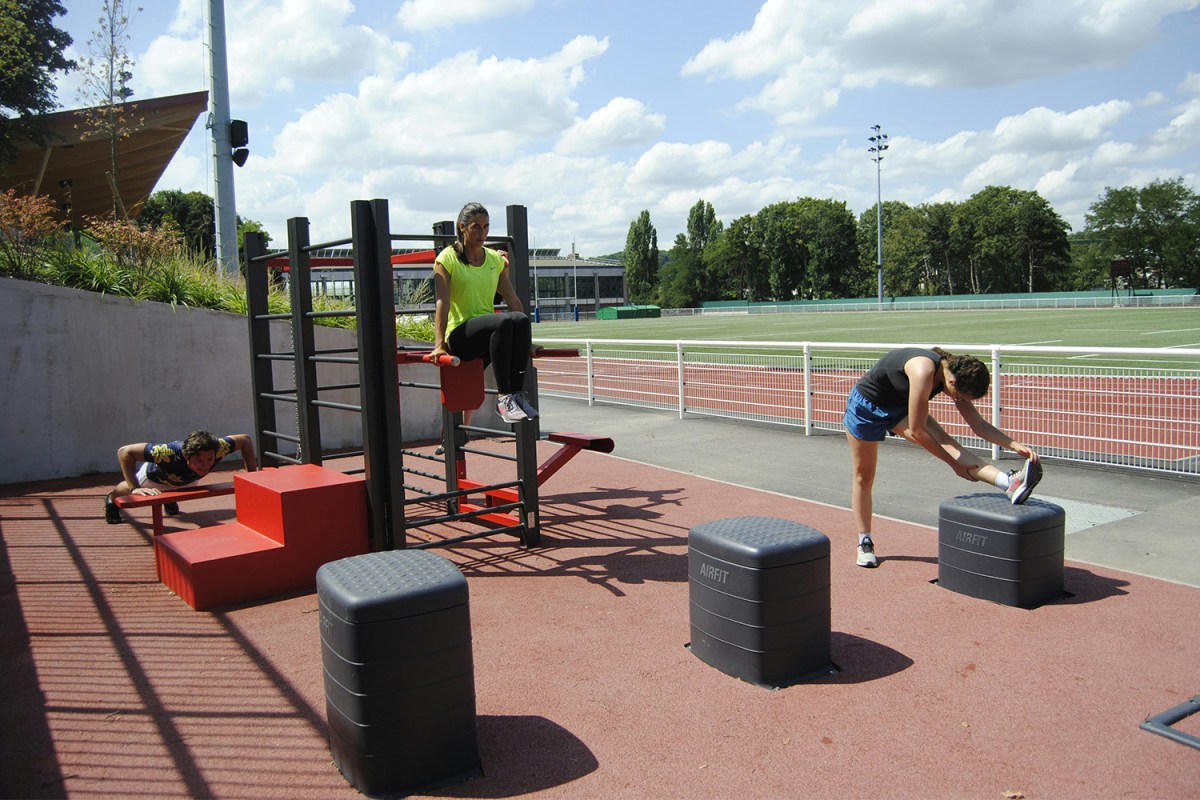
{"x": 83, "y": 373}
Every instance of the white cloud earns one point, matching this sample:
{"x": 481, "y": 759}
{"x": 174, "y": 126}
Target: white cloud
{"x": 426, "y": 15}
{"x": 270, "y": 46}
{"x": 415, "y": 121}
{"x": 171, "y": 65}
{"x": 809, "y": 51}
{"x": 621, "y": 123}
{"x": 1041, "y": 129}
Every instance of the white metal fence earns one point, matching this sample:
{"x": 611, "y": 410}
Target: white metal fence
{"x": 1124, "y": 406}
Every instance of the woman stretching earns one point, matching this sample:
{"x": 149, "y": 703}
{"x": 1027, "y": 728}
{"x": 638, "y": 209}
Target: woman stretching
{"x": 894, "y": 396}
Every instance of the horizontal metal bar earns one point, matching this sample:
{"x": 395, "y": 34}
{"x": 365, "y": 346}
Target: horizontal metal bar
{"x": 517, "y": 529}
{"x": 287, "y": 437}
{"x": 489, "y": 454}
{"x": 339, "y": 406}
{"x": 424, "y": 522}
{"x": 320, "y": 359}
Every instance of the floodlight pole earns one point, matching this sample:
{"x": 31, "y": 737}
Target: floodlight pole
{"x": 218, "y": 121}
{"x": 878, "y": 145}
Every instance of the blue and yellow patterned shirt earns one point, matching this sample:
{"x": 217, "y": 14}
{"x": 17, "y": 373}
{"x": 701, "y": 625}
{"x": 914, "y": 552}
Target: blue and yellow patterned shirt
{"x": 169, "y": 466}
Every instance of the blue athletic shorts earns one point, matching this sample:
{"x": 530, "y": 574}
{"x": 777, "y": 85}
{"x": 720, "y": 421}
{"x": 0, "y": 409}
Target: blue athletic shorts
{"x": 867, "y": 421}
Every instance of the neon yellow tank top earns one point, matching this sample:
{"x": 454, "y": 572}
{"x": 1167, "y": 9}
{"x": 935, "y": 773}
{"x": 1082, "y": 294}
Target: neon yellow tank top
{"x": 472, "y": 289}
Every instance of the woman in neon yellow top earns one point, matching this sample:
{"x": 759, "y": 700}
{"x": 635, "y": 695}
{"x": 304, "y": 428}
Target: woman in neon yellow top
{"x": 466, "y": 278}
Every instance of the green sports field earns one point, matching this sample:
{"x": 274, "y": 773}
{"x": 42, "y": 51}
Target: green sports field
{"x": 1108, "y": 327}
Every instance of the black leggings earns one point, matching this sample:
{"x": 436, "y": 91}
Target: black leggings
{"x": 503, "y": 340}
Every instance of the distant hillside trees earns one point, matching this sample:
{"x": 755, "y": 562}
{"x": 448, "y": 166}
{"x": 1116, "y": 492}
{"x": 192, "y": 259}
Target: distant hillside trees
{"x": 1000, "y": 240}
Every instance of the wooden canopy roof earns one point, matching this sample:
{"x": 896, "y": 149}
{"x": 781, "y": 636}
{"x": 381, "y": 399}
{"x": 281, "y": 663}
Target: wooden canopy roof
{"x": 73, "y": 168}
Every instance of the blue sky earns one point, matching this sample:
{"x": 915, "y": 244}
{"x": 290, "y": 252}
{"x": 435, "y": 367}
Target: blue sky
{"x": 589, "y": 111}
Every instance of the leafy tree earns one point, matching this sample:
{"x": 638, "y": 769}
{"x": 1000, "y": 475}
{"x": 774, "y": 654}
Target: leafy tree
{"x": 1156, "y": 227}
{"x": 1013, "y": 239}
{"x": 193, "y": 214}
{"x": 683, "y": 283}
{"x": 809, "y": 247}
{"x": 105, "y": 89}
{"x": 681, "y": 280}
{"x": 702, "y": 226}
{"x": 1090, "y": 261}
{"x": 733, "y": 264}
{"x": 249, "y": 225}
{"x": 31, "y": 51}
{"x": 1043, "y": 244}
{"x": 190, "y": 212}
{"x": 943, "y": 261}
{"x": 827, "y": 229}
{"x": 784, "y": 253}
{"x": 641, "y": 259}
{"x": 905, "y": 265}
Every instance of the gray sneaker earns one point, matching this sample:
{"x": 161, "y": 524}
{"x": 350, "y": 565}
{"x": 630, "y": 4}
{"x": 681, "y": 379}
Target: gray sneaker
{"x": 866, "y": 554}
{"x": 1022, "y": 481}
{"x": 509, "y": 409}
{"x": 523, "y": 401}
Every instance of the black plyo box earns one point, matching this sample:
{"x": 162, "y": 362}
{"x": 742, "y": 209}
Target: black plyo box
{"x": 398, "y": 670}
{"x": 993, "y": 550}
{"x": 759, "y": 598}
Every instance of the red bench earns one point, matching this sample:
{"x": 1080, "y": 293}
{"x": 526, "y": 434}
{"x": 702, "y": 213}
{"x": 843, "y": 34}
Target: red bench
{"x": 157, "y": 501}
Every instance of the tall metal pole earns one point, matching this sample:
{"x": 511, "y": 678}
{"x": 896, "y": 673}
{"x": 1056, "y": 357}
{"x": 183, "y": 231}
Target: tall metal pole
{"x": 878, "y": 145}
{"x": 218, "y": 122}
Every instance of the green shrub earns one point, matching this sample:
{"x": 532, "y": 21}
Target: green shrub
{"x": 416, "y": 327}
{"x": 170, "y": 283}
{"x": 91, "y": 271}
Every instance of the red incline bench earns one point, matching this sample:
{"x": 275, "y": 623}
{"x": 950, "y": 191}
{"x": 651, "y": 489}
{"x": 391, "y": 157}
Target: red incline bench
{"x": 157, "y": 501}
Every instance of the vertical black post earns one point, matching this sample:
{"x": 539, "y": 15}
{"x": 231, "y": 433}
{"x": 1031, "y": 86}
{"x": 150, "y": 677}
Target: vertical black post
{"x": 379, "y": 376}
{"x": 444, "y": 234}
{"x": 528, "y": 432}
{"x": 518, "y": 259}
{"x": 262, "y": 378}
{"x": 308, "y": 416}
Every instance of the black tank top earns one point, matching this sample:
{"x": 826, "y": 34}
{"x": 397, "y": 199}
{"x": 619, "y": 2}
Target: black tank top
{"x": 886, "y": 383}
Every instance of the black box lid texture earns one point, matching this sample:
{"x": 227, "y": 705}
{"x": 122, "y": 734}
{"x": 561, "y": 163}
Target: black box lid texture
{"x": 760, "y": 542}
{"x": 390, "y": 584}
{"x": 997, "y": 512}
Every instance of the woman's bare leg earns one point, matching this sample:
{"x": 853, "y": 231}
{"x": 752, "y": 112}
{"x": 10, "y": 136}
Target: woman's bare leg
{"x": 980, "y": 468}
{"x": 864, "y": 457}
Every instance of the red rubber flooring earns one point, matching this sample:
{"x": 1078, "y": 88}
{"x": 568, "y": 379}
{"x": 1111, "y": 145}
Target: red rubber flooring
{"x": 113, "y": 687}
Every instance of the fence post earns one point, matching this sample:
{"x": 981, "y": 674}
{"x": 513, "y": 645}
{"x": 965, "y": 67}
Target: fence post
{"x": 591, "y": 380}
{"x": 996, "y": 396}
{"x": 808, "y": 409}
{"x": 679, "y": 367}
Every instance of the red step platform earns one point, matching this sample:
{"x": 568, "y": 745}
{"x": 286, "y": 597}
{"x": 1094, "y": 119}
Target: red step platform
{"x": 290, "y": 521}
